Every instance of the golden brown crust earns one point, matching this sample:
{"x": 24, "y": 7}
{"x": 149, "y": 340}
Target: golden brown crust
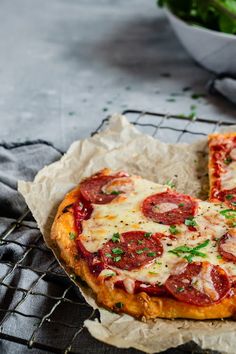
{"x": 212, "y": 139}
{"x": 139, "y": 305}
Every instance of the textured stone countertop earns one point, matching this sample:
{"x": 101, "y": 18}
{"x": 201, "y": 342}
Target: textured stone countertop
{"x": 66, "y": 64}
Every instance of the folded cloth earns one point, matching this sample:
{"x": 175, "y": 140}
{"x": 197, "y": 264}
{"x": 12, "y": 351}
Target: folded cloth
{"x": 225, "y": 85}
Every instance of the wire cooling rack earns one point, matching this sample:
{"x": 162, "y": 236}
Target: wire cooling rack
{"x": 27, "y": 304}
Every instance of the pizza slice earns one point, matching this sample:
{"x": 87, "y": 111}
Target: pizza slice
{"x": 222, "y": 168}
{"x": 148, "y": 251}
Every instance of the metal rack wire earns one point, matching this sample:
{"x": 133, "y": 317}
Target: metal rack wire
{"x": 70, "y": 334}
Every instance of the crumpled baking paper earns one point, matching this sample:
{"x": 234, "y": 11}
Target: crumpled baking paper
{"x": 122, "y": 147}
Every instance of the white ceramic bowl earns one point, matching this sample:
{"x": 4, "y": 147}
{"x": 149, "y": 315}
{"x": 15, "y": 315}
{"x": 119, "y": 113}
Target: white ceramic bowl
{"x": 214, "y": 50}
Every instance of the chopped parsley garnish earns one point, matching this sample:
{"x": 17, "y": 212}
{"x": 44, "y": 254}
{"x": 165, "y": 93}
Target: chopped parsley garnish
{"x": 157, "y": 262}
{"x": 228, "y": 213}
{"x": 190, "y": 222}
{"x": 233, "y": 203}
{"x": 117, "y": 250}
{"x": 228, "y": 160}
{"x": 147, "y": 234}
{"x": 108, "y": 255}
{"x": 195, "y": 96}
{"x": 119, "y": 305}
{"x": 188, "y": 253}
{"x": 139, "y": 251}
{"x": 170, "y": 183}
{"x": 181, "y": 204}
{"x": 116, "y": 237}
{"x": 117, "y": 259}
{"x": 116, "y": 192}
{"x": 140, "y": 242}
{"x": 151, "y": 254}
{"x": 152, "y": 272}
{"x": 72, "y": 235}
{"x": 173, "y": 230}
{"x": 180, "y": 289}
{"x": 229, "y": 196}
{"x": 219, "y": 257}
{"x": 109, "y": 274}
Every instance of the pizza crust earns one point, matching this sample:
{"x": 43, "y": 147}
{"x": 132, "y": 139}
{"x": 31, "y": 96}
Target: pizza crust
{"x": 141, "y": 305}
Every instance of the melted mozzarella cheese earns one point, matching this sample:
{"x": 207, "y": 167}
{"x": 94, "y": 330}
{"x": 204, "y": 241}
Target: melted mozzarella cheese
{"x": 228, "y": 179}
{"x": 233, "y": 154}
{"x": 203, "y": 282}
{"x": 124, "y": 214}
{"x": 164, "y": 207}
{"x": 229, "y": 246}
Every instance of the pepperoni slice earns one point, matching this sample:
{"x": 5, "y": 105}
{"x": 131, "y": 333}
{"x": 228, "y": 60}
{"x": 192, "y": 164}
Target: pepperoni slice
{"x": 229, "y": 197}
{"x": 169, "y": 208}
{"x": 135, "y": 249}
{"x": 94, "y": 189}
{"x": 199, "y": 283}
{"x": 227, "y": 246}
{"x": 82, "y": 211}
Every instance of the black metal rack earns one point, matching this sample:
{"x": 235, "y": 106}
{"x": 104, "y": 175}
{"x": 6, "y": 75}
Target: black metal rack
{"x": 70, "y": 334}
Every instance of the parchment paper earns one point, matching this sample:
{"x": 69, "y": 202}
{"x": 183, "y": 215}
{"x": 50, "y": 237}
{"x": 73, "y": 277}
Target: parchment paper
{"x": 122, "y": 147}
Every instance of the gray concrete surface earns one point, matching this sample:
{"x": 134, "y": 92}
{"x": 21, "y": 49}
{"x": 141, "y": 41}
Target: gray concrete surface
{"x": 66, "y": 64}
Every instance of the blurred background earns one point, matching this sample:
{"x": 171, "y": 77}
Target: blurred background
{"x": 66, "y": 64}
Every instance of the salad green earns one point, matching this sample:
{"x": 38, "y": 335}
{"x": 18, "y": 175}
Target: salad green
{"x": 218, "y": 15}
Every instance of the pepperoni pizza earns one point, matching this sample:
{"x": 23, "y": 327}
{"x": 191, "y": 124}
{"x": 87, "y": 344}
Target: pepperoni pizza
{"x": 149, "y": 251}
{"x": 222, "y": 168}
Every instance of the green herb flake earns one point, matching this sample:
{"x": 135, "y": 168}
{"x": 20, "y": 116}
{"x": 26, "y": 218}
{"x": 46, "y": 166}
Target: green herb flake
{"x": 119, "y": 305}
{"x": 140, "y": 242}
{"x": 109, "y": 274}
{"x": 117, "y": 250}
{"x": 180, "y": 289}
{"x": 219, "y": 257}
{"x": 170, "y": 183}
{"x": 116, "y": 237}
{"x": 181, "y": 204}
{"x": 173, "y": 230}
{"x": 228, "y": 160}
{"x": 108, "y": 255}
{"x": 116, "y": 192}
{"x": 151, "y": 254}
{"x": 190, "y": 222}
{"x": 229, "y": 196}
{"x": 189, "y": 252}
{"x": 72, "y": 235}
{"x": 139, "y": 251}
{"x": 147, "y": 234}
{"x": 196, "y": 96}
{"x": 152, "y": 272}
{"x": 117, "y": 259}
{"x": 228, "y": 213}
